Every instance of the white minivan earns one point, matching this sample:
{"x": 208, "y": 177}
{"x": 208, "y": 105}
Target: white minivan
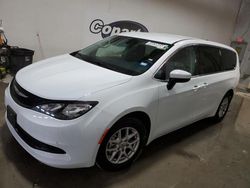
{"x": 103, "y": 104}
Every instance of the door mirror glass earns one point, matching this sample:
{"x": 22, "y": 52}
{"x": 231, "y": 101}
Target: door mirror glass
{"x": 178, "y": 76}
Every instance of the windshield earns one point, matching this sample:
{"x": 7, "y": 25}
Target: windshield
{"x": 123, "y": 54}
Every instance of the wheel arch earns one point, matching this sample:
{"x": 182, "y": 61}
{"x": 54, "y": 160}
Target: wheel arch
{"x": 230, "y": 92}
{"x": 138, "y": 114}
{"x": 142, "y": 116}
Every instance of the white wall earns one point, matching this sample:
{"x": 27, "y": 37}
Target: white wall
{"x": 63, "y": 25}
{"x": 243, "y": 30}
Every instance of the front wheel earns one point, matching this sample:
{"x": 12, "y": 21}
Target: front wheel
{"x": 223, "y": 107}
{"x": 122, "y": 145}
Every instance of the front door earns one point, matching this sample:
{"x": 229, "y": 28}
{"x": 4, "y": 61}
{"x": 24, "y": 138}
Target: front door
{"x": 180, "y": 105}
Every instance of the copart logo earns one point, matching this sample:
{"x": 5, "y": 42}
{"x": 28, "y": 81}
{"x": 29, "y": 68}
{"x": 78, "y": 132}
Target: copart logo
{"x": 106, "y": 30}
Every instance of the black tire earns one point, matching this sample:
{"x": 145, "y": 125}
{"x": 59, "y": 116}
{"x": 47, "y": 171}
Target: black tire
{"x": 122, "y": 125}
{"x": 218, "y": 116}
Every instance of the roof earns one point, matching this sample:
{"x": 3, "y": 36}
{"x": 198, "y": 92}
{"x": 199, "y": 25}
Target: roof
{"x": 159, "y": 37}
{"x": 171, "y": 39}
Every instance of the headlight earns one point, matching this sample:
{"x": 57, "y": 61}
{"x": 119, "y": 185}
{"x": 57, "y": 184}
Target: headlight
{"x": 67, "y": 110}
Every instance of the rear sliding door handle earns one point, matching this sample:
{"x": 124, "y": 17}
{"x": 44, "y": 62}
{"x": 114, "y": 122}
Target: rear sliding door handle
{"x": 205, "y": 84}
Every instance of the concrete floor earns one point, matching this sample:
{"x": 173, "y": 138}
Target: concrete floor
{"x": 201, "y": 155}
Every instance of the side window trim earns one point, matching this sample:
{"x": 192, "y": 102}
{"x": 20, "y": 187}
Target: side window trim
{"x": 193, "y": 76}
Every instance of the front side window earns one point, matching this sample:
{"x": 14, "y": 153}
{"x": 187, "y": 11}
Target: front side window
{"x": 185, "y": 59}
{"x": 128, "y": 55}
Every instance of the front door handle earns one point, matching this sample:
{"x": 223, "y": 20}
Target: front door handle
{"x": 196, "y": 87}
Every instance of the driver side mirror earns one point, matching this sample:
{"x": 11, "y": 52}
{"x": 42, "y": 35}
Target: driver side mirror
{"x": 178, "y": 76}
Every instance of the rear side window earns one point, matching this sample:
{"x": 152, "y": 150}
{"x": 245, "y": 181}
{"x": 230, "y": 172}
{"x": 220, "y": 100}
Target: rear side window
{"x": 208, "y": 60}
{"x": 228, "y": 59}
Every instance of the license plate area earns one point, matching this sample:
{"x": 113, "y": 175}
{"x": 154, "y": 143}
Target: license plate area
{"x": 11, "y": 116}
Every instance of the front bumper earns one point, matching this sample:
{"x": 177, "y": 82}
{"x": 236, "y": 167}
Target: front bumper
{"x": 78, "y": 138}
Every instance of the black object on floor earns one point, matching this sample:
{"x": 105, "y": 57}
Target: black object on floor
{"x": 19, "y": 58}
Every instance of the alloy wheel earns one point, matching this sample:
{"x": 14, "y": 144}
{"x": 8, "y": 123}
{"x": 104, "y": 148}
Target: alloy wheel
{"x": 122, "y": 145}
{"x": 223, "y": 107}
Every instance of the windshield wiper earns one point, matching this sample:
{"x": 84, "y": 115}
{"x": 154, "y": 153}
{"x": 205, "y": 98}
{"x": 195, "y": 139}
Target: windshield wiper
{"x": 88, "y": 59}
{"x": 105, "y": 65}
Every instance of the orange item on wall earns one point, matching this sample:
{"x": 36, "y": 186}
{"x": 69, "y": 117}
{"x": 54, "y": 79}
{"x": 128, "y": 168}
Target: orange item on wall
{"x": 1, "y": 39}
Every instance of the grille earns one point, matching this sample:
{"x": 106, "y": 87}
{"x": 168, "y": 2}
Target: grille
{"x": 23, "y": 97}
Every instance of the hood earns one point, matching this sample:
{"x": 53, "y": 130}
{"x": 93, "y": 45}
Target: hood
{"x": 67, "y": 78}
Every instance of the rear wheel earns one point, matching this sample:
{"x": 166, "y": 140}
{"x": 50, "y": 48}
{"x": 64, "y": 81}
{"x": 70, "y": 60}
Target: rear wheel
{"x": 122, "y": 145}
{"x": 223, "y": 107}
